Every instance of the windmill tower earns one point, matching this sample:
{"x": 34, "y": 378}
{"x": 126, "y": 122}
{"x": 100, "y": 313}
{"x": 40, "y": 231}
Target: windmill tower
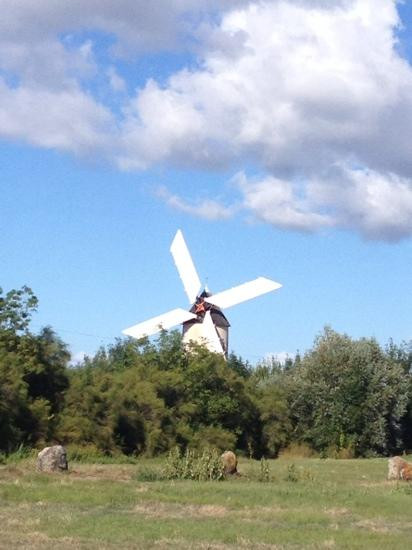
{"x": 205, "y": 322}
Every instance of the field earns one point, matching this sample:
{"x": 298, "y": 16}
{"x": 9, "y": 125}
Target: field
{"x": 308, "y": 503}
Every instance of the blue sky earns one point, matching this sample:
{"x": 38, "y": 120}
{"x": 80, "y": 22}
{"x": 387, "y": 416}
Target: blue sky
{"x": 276, "y": 135}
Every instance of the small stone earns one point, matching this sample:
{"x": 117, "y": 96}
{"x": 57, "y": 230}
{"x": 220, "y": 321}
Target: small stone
{"x": 52, "y": 459}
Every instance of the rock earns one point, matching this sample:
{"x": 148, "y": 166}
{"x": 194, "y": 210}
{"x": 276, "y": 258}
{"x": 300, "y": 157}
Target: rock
{"x": 52, "y": 459}
{"x": 398, "y": 468}
{"x": 229, "y": 461}
{"x": 394, "y": 464}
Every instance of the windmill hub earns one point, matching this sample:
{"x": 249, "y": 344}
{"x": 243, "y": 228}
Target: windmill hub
{"x": 205, "y": 322}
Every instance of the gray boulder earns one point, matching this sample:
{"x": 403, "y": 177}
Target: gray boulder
{"x": 229, "y": 461}
{"x": 52, "y": 459}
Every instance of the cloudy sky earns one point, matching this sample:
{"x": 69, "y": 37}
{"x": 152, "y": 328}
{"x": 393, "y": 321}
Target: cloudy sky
{"x": 276, "y": 133}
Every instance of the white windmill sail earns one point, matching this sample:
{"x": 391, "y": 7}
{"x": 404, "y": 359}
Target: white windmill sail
{"x": 161, "y": 322}
{"x": 242, "y": 293}
{"x": 185, "y": 266}
{"x": 210, "y": 335}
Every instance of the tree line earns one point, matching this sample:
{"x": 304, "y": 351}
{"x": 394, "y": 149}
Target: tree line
{"x": 342, "y": 397}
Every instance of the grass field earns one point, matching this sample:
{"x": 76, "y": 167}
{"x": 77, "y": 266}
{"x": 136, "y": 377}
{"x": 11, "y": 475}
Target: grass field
{"x": 308, "y": 503}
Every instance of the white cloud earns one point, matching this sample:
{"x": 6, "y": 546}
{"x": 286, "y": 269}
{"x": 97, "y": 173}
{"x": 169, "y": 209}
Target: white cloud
{"x": 48, "y": 69}
{"x": 207, "y": 209}
{"x": 302, "y": 91}
{"x": 67, "y": 120}
{"x": 309, "y": 86}
{"x": 277, "y": 202}
{"x": 117, "y": 83}
{"x": 135, "y": 25}
{"x": 312, "y": 85}
{"x": 78, "y": 358}
{"x": 378, "y": 205}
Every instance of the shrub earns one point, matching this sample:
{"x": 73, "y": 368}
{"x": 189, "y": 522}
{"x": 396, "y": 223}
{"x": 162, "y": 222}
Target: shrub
{"x": 298, "y": 450}
{"x": 206, "y": 466}
{"x": 334, "y": 451}
{"x": 294, "y": 474}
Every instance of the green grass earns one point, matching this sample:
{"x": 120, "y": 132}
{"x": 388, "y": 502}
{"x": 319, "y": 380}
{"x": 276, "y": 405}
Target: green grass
{"x": 308, "y": 503}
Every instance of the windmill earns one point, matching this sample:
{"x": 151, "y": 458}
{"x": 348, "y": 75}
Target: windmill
{"x": 205, "y": 322}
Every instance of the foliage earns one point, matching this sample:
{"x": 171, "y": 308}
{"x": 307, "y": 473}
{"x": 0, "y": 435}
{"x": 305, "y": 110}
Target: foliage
{"x": 298, "y": 450}
{"x": 348, "y": 394}
{"x": 204, "y": 466}
{"x": 270, "y": 392}
{"x": 134, "y": 398}
{"x": 32, "y": 374}
{"x": 90, "y": 454}
{"x": 16, "y": 308}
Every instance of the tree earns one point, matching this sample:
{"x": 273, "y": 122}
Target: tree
{"x": 270, "y": 388}
{"x": 32, "y": 373}
{"x": 402, "y": 354}
{"x": 16, "y": 308}
{"x": 349, "y": 394}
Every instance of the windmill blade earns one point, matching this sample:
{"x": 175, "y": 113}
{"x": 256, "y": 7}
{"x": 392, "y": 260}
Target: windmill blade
{"x": 244, "y": 292}
{"x": 161, "y": 322}
{"x": 210, "y": 335}
{"x": 185, "y": 266}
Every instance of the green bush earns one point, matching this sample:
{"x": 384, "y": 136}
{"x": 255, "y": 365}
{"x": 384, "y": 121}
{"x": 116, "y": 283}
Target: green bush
{"x": 213, "y": 437}
{"x": 206, "y": 466}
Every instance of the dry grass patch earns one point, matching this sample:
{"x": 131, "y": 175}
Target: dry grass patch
{"x": 142, "y": 489}
{"x": 373, "y": 525}
{"x": 162, "y": 510}
{"x": 108, "y": 472}
{"x": 180, "y": 544}
{"x": 180, "y": 511}
{"x": 337, "y": 512}
{"x": 40, "y": 541}
{"x": 383, "y": 483}
{"x": 261, "y": 511}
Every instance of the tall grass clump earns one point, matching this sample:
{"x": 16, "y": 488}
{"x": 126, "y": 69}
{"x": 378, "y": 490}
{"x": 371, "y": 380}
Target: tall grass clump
{"x": 20, "y": 453}
{"x": 264, "y": 474}
{"x": 295, "y": 474}
{"x": 90, "y": 454}
{"x": 205, "y": 466}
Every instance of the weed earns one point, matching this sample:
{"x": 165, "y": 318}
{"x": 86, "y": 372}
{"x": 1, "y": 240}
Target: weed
{"x": 250, "y": 449}
{"x": 149, "y": 474}
{"x": 292, "y": 473}
{"x": 295, "y": 474}
{"x": 264, "y": 474}
{"x": 19, "y": 454}
{"x": 206, "y": 466}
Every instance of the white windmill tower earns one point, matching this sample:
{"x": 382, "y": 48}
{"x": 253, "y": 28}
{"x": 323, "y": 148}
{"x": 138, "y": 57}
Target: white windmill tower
{"x": 204, "y": 323}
